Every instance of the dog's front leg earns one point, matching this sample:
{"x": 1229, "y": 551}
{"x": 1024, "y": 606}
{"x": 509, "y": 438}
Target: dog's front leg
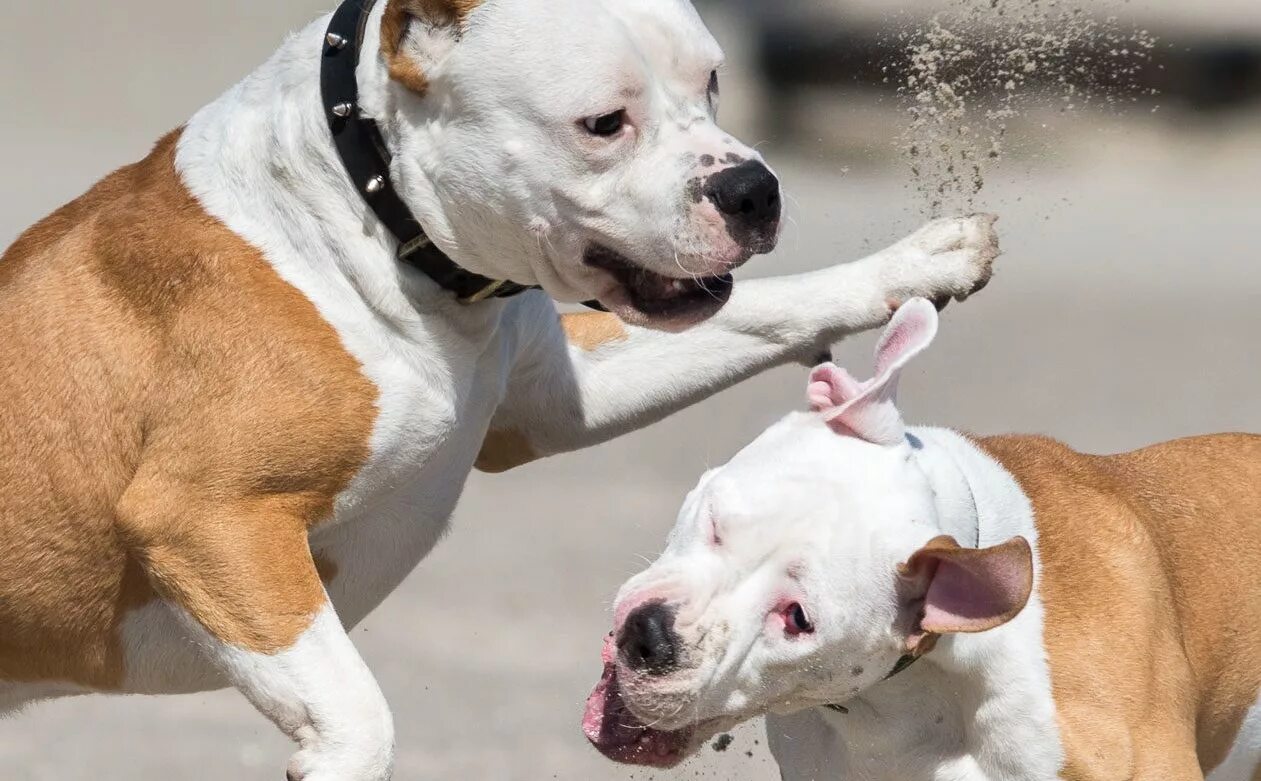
{"x": 240, "y": 574}
{"x": 607, "y": 379}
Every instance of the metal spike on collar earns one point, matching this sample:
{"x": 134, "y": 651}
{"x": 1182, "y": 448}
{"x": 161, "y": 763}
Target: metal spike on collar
{"x": 343, "y": 110}
{"x": 375, "y": 185}
{"x": 336, "y": 41}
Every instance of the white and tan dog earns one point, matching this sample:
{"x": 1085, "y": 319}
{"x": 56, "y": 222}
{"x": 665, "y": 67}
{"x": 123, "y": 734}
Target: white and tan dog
{"x": 1074, "y": 617}
{"x": 231, "y": 422}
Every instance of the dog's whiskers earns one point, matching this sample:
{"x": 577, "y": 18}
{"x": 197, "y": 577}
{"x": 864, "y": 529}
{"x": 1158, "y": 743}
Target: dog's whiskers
{"x": 653, "y": 724}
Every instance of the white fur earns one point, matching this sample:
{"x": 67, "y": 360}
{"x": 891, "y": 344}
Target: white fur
{"x": 494, "y": 165}
{"x": 843, "y": 513}
{"x": 319, "y": 693}
{"x": 992, "y": 690}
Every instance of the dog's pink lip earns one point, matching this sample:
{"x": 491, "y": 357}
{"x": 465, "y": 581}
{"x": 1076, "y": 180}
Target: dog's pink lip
{"x": 621, "y": 736}
{"x": 643, "y": 297}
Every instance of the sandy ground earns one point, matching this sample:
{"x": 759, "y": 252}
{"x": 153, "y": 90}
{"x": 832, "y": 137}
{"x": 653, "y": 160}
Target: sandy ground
{"x": 1125, "y": 311}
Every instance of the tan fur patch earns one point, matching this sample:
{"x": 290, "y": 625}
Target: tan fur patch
{"x": 398, "y": 15}
{"x": 504, "y": 450}
{"x": 173, "y": 416}
{"x": 592, "y": 330}
{"x": 1153, "y": 604}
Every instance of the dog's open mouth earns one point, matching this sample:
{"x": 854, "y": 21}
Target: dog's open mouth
{"x": 656, "y": 296}
{"x": 622, "y": 737}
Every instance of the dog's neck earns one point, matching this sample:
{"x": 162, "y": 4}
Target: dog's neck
{"x": 1001, "y": 673}
{"x": 264, "y": 148}
{"x": 946, "y": 460}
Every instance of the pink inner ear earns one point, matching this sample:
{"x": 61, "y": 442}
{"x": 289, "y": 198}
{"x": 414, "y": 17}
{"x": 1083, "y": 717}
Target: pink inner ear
{"x": 831, "y": 386}
{"x": 976, "y": 592}
{"x": 867, "y": 410}
{"x": 910, "y": 331}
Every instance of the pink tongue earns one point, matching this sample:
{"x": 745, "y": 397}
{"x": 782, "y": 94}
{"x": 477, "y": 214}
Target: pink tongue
{"x": 614, "y": 730}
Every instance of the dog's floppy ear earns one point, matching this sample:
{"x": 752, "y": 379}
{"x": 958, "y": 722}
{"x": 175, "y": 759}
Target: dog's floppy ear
{"x": 868, "y": 410}
{"x": 831, "y": 387}
{"x": 951, "y": 589}
{"x": 438, "y": 19}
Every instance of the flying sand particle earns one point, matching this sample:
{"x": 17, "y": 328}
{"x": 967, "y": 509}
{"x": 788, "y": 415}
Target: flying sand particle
{"x": 971, "y": 70}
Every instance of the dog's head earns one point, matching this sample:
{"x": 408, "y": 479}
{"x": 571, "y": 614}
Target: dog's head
{"x": 797, "y": 575}
{"x": 574, "y": 144}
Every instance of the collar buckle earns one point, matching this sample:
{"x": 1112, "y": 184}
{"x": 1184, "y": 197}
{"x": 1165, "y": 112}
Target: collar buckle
{"x": 485, "y": 293}
{"x": 413, "y": 246}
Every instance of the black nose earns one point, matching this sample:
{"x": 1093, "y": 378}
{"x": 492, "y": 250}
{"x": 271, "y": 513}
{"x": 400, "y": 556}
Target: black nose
{"x": 648, "y": 641}
{"x": 748, "y": 194}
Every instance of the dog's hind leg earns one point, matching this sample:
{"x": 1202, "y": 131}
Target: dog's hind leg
{"x": 243, "y": 575}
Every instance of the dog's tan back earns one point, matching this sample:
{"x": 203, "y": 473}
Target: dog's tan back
{"x": 1152, "y": 590}
{"x": 145, "y": 348}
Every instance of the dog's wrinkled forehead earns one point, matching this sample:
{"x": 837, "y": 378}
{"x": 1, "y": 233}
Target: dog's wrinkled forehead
{"x": 578, "y": 49}
{"x": 779, "y": 482}
{"x": 799, "y": 452}
{"x": 798, "y": 475}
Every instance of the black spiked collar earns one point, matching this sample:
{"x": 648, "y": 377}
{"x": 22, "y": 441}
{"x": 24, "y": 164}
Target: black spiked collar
{"x": 362, "y": 149}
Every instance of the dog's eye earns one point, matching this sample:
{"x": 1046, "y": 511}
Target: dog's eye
{"x": 796, "y": 622}
{"x": 606, "y": 125}
{"x": 713, "y": 84}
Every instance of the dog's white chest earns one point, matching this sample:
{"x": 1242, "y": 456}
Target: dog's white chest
{"x": 919, "y": 739}
{"x": 431, "y": 421}
{"x": 916, "y": 733}
{"x": 432, "y": 413}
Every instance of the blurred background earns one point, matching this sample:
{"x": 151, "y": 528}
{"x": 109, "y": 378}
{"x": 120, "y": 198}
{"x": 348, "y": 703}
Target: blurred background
{"x": 1126, "y": 309}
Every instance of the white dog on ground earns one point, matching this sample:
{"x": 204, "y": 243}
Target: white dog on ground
{"x": 242, "y": 382}
{"x": 912, "y": 604}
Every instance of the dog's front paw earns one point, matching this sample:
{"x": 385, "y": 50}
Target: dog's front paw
{"x": 947, "y": 259}
{"x": 346, "y": 763}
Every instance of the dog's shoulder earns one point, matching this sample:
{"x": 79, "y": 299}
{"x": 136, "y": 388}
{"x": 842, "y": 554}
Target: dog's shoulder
{"x": 1213, "y": 459}
{"x": 1039, "y": 463}
{"x": 1131, "y": 542}
{"x": 166, "y": 335}
{"x": 150, "y": 358}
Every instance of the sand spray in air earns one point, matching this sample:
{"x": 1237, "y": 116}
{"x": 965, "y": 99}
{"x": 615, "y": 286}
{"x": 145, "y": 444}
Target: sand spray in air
{"x": 977, "y": 65}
